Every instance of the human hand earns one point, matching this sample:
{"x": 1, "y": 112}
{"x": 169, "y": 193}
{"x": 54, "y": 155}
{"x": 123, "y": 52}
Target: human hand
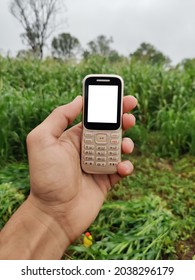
{"x": 59, "y": 187}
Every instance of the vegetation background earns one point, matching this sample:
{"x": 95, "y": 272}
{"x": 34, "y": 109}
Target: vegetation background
{"x": 149, "y": 215}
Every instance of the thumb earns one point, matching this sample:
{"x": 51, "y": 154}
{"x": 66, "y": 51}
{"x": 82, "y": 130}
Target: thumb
{"x": 61, "y": 117}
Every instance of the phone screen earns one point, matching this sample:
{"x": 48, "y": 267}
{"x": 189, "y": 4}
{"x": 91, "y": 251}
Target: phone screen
{"x": 102, "y": 103}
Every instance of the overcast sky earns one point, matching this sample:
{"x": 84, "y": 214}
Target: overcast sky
{"x": 167, "y": 24}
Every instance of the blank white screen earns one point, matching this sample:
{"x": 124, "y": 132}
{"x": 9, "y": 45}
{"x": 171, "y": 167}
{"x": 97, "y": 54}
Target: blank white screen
{"x": 102, "y": 104}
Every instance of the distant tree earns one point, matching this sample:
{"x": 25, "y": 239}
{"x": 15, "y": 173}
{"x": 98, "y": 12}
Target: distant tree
{"x": 114, "y": 56}
{"x": 148, "y": 53}
{"x": 26, "y": 54}
{"x": 38, "y": 19}
{"x": 65, "y": 46}
{"x": 99, "y": 46}
{"x": 188, "y": 63}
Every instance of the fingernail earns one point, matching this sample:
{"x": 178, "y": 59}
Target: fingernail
{"x": 128, "y": 167}
{"x": 77, "y": 97}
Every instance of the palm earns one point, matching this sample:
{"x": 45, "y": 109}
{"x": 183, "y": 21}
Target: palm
{"x": 59, "y": 185}
{"x": 63, "y": 185}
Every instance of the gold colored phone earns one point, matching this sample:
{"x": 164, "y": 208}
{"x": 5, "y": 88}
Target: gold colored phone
{"x": 102, "y": 123}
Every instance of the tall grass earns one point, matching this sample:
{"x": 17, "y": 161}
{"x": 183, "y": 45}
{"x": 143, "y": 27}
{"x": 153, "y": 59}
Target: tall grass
{"x": 136, "y": 229}
{"x": 10, "y": 200}
{"x": 30, "y": 90}
{"x": 147, "y": 216}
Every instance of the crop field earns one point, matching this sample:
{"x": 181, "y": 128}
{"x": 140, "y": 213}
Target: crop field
{"x": 149, "y": 215}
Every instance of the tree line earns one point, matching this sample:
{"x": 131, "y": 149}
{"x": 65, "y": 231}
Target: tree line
{"x": 40, "y": 18}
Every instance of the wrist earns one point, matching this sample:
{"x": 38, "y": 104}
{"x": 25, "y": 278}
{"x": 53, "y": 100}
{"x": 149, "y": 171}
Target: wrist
{"x": 53, "y": 233}
{"x": 61, "y": 216}
{"x": 32, "y": 233}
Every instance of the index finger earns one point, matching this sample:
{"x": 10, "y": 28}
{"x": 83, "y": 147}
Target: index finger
{"x": 129, "y": 103}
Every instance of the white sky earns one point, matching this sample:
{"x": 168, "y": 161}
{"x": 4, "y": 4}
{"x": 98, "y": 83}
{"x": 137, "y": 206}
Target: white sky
{"x": 167, "y": 24}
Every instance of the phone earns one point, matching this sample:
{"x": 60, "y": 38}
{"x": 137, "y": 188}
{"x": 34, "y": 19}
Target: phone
{"x": 102, "y": 123}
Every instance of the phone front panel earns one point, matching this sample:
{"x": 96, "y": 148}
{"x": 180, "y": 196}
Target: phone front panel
{"x": 102, "y": 131}
{"x": 102, "y": 108}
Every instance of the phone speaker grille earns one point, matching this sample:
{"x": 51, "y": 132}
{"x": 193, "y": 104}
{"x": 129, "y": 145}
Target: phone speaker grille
{"x": 103, "y": 80}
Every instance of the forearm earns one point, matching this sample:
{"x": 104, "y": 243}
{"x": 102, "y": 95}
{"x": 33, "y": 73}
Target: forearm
{"x": 32, "y": 234}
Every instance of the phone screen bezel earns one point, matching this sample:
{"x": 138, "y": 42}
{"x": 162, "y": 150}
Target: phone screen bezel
{"x": 108, "y": 81}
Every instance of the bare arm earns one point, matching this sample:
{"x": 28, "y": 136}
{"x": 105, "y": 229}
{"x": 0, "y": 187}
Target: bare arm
{"x": 32, "y": 234}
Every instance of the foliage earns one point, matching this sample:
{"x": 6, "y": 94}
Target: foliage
{"x": 14, "y": 188}
{"x": 65, "y": 46}
{"x": 16, "y": 174}
{"x": 10, "y": 200}
{"x": 147, "y": 53}
{"x": 136, "y": 229}
{"x": 149, "y": 215}
{"x": 100, "y": 47}
{"x": 30, "y": 90}
{"x": 38, "y": 19}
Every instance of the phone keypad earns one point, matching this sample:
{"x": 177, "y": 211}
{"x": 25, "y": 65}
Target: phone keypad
{"x": 89, "y": 152}
{"x": 101, "y": 138}
{"x": 86, "y": 162}
{"x": 114, "y": 141}
{"x": 100, "y": 153}
{"x": 89, "y": 147}
{"x": 88, "y": 141}
{"x": 101, "y": 149}
{"x": 102, "y": 164}
{"x": 101, "y": 158}
{"x": 112, "y": 153}
{"x": 91, "y": 158}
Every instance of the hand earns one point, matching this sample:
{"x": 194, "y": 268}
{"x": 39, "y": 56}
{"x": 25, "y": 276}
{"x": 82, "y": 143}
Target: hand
{"x": 59, "y": 187}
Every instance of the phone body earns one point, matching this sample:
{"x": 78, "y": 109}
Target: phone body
{"x": 102, "y": 123}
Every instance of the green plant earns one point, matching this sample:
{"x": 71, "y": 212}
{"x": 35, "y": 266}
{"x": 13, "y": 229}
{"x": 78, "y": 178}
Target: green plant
{"x": 137, "y": 229}
{"x": 148, "y": 215}
{"x": 30, "y": 90}
{"x": 10, "y": 200}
